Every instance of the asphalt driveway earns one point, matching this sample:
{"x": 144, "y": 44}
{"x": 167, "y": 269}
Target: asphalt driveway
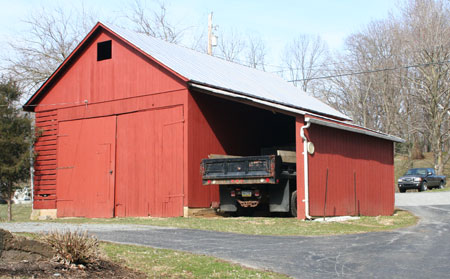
{"x": 422, "y": 251}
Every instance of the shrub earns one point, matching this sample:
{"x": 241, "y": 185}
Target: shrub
{"x": 73, "y": 247}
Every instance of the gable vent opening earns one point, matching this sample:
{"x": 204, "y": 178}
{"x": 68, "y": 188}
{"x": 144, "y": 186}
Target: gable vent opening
{"x": 104, "y": 50}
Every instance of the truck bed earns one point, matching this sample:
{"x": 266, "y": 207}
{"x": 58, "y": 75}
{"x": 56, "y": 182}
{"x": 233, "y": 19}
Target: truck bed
{"x": 241, "y": 170}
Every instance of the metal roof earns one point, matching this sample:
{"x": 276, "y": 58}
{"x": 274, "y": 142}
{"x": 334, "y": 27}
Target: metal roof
{"x": 355, "y": 129}
{"x": 203, "y": 69}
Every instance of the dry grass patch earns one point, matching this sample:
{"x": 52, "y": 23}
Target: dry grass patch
{"x": 262, "y": 225}
{"x": 73, "y": 247}
{"x": 162, "y": 263}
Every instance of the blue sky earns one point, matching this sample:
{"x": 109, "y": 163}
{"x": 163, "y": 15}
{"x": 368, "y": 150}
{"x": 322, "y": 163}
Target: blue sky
{"x": 276, "y": 22}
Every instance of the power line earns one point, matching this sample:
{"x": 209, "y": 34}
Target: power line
{"x": 296, "y": 80}
{"x": 322, "y": 66}
{"x": 373, "y": 71}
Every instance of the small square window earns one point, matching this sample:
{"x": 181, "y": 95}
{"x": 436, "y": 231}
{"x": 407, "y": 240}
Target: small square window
{"x": 104, "y": 50}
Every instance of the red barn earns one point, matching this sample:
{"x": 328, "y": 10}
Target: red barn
{"x": 126, "y": 119}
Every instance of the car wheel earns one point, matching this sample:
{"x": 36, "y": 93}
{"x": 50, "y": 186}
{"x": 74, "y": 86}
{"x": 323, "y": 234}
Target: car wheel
{"x": 402, "y": 190}
{"x": 294, "y": 204}
{"x": 423, "y": 187}
{"x": 441, "y": 185}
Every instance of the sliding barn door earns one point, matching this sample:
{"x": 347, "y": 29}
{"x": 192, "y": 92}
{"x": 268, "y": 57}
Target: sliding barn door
{"x": 149, "y": 179}
{"x": 85, "y": 173}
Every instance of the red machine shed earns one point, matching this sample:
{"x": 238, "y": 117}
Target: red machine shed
{"x": 126, "y": 119}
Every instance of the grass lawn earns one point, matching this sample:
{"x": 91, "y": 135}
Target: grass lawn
{"x": 162, "y": 263}
{"x": 246, "y": 225}
{"x": 402, "y": 165}
{"x": 20, "y": 212}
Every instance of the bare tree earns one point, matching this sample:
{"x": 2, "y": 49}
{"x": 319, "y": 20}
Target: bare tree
{"x": 400, "y": 81}
{"x": 377, "y": 92}
{"x": 304, "y": 58}
{"x": 52, "y": 34}
{"x": 427, "y": 33}
{"x": 367, "y": 87}
{"x": 155, "y": 22}
{"x": 199, "y": 39}
{"x": 256, "y": 53}
{"x": 231, "y": 46}
{"x": 51, "y": 37}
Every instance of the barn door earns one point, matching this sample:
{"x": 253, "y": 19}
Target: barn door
{"x": 149, "y": 178}
{"x": 171, "y": 174}
{"x": 85, "y": 174}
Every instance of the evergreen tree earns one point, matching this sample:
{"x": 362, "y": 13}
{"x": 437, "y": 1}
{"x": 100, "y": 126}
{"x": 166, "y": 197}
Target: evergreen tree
{"x": 15, "y": 141}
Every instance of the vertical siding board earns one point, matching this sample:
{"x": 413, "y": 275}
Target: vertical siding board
{"x": 345, "y": 153}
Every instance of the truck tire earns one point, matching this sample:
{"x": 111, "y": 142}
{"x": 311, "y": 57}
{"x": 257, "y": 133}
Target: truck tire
{"x": 402, "y": 190}
{"x": 423, "y": 187}
{"x": 294, "y": 204}
{"x": 442, "y": 185}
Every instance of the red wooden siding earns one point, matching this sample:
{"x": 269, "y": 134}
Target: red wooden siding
{"x": 128, "y": 83}
{"x": 125, "y": 137}
{"x": 219, "y": 126}
{"x": 86, "y": 152}
{"x": 201, "y": 142}
{"x": 348, "y": 155}
{"x": 45, "y": 161}
{"x": 127, "y": 74}
{"x": 150, "y": 163}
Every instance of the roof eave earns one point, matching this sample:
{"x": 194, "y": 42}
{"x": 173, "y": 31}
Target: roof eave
{"x": 278, "y": 105}
{"x": 354, "y": 129}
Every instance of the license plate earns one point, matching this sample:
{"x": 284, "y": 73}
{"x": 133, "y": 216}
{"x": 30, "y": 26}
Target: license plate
{"x": 246, "y": 193}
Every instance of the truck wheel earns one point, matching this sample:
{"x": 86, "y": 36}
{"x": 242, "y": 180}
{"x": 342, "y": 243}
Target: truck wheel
{"x": 441, "y": 185}
{"x": 402, "y": 190}
{"x": 294, "y": 204}
{"x": 423, "y": 187}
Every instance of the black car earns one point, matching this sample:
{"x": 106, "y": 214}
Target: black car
{"x": 421, "y": 179}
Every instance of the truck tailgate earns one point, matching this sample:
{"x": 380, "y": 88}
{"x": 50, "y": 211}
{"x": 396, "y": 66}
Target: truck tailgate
{"x": 243, "y": 170}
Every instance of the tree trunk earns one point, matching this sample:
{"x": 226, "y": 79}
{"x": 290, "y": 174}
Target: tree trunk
{"x": 9, "y": 203}
{"x": 417, "y": 153}
{"x": 439, "y": 165}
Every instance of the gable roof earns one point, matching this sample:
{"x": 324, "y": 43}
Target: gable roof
{"x": 205, "y": 70}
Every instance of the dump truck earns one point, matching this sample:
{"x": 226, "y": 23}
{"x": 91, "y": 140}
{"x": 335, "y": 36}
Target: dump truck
{"x": 247, "y": 183}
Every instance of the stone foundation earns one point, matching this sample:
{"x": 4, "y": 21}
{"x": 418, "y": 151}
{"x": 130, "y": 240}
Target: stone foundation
{"x": 197, "y": 212}
{"x": 43, "y": 214}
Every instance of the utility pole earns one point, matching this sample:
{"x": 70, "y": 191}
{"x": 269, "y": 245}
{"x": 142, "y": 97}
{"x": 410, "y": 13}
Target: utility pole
{"x": 210, "y": 33}
{"x": 212, "y": 39}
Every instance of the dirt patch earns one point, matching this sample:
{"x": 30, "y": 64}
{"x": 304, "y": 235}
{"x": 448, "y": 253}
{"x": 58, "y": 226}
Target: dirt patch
{"x": 385, "y": 222}
{"x": 203, "y": 212}
{"x": 26, "y": 258}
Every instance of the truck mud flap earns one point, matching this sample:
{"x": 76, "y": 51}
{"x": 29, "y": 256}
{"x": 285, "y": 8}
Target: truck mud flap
{"x": 279, "y": 197}
{"x": 227, "y": 202}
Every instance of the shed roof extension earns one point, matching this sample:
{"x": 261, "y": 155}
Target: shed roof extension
{"x": 208, "y": 71}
